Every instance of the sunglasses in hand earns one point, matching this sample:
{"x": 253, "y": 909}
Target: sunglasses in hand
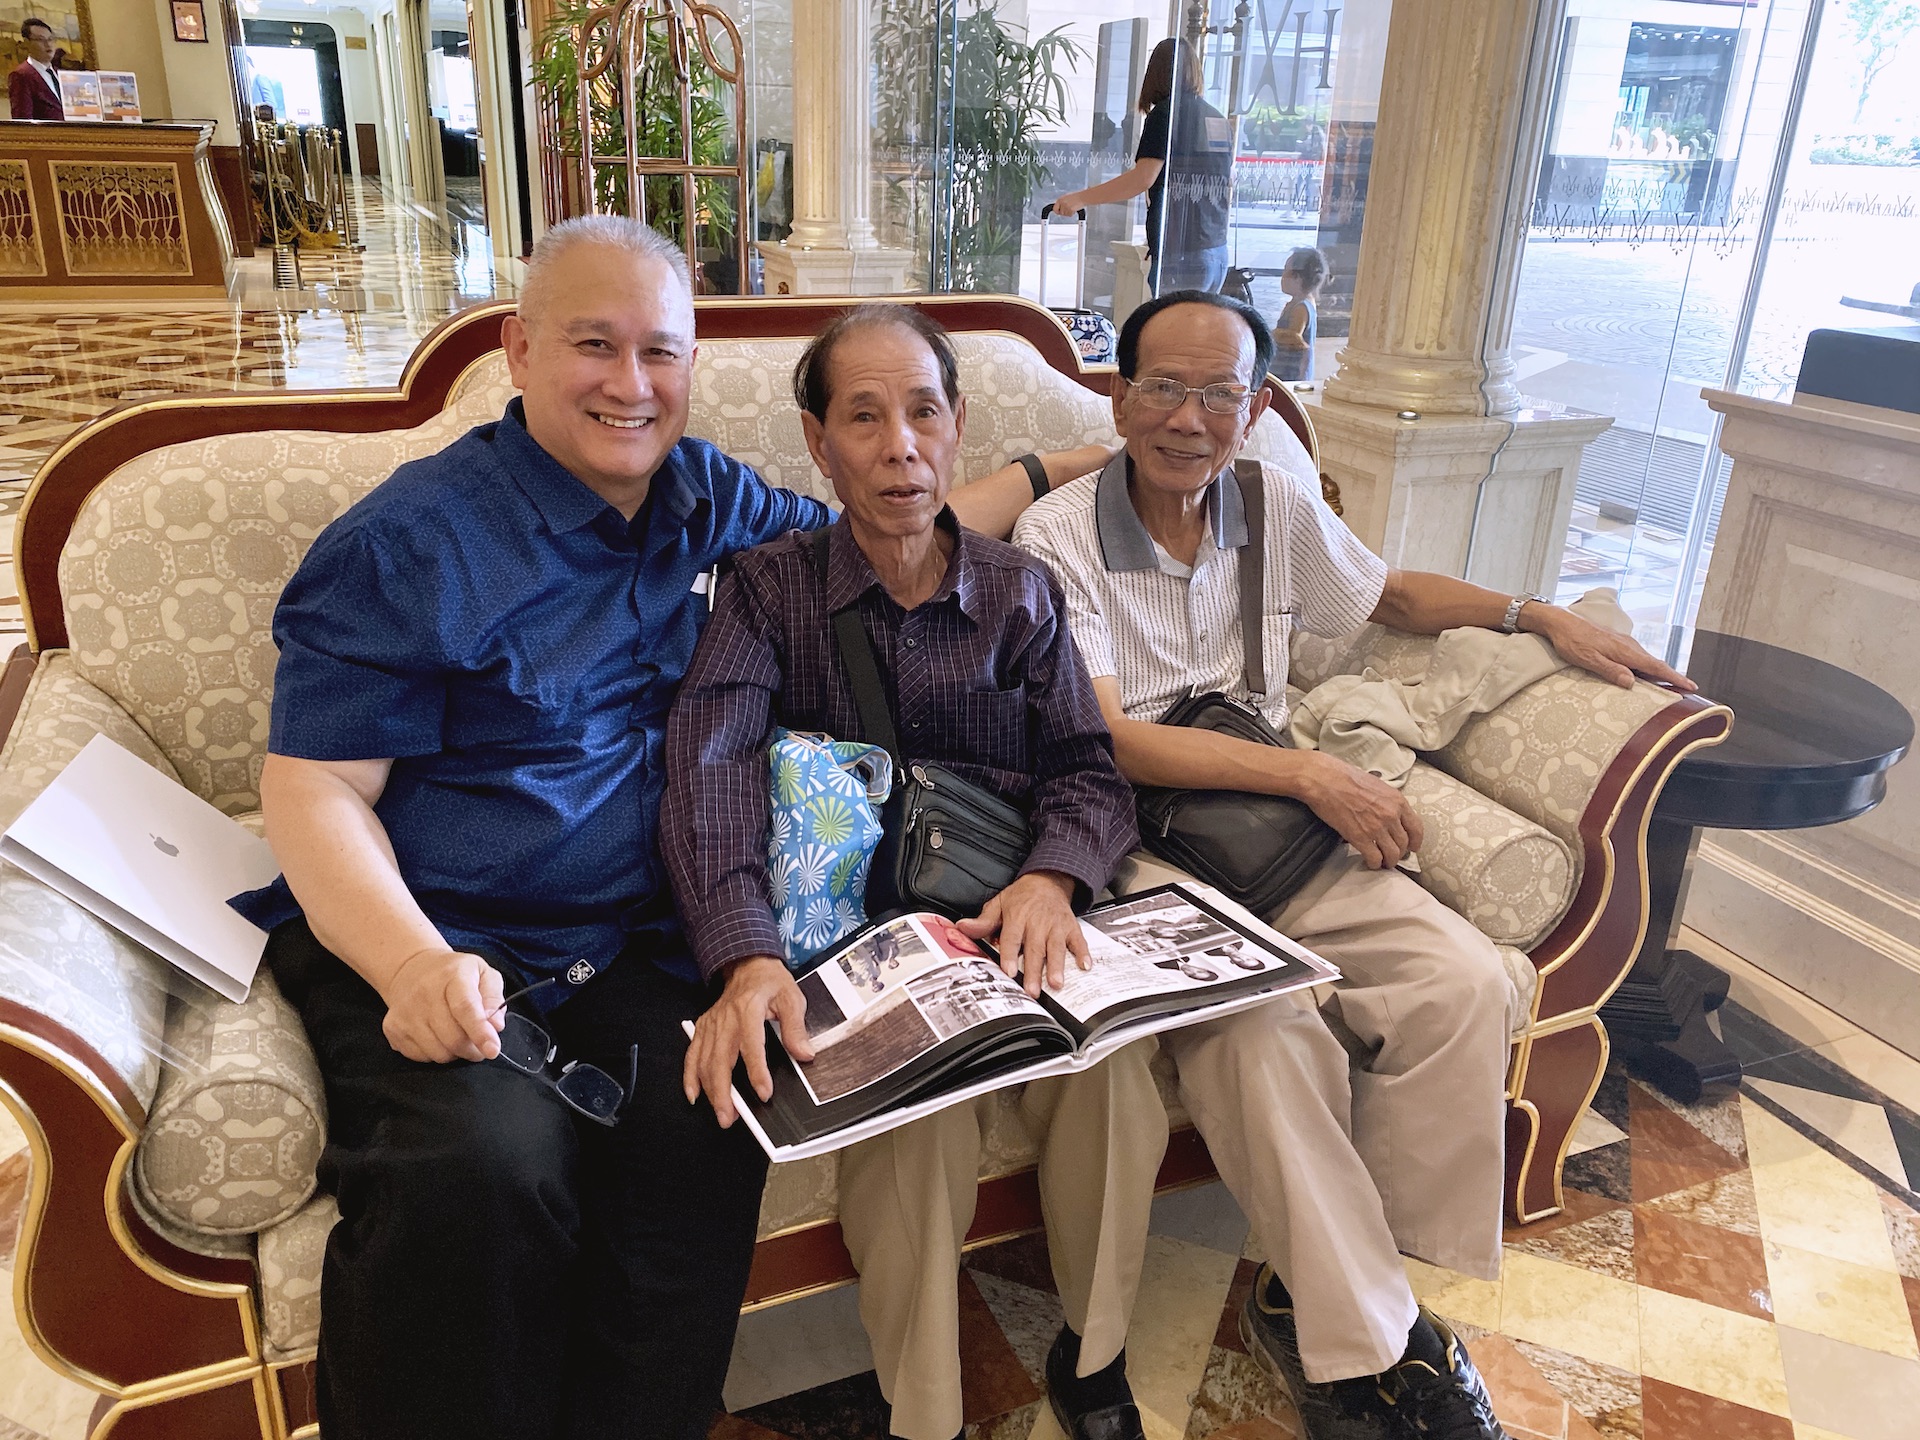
{"x": 586, "y": 1088}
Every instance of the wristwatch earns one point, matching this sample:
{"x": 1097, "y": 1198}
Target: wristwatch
{"x": 1510, "y": 622}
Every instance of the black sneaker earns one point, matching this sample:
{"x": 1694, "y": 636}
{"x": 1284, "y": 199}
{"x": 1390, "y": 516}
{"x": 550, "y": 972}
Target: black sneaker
{"x": 1436, "y": 1404}
{"x": 1090, "y": 1407}
{"x": 1343, "y": 1410}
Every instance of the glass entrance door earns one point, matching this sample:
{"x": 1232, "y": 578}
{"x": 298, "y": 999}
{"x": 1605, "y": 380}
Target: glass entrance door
{"x": 1718, "y": 180}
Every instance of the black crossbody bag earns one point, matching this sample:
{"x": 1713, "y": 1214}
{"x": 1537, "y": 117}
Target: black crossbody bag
{"x": 1259, "y": 849}
{"x": 949, "y": 845}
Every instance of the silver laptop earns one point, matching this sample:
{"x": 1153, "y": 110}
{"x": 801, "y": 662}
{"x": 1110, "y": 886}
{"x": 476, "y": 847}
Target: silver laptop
{"x": 150, "y": 858}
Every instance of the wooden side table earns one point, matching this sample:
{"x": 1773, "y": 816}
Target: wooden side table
{"x": 1811, "y": 745}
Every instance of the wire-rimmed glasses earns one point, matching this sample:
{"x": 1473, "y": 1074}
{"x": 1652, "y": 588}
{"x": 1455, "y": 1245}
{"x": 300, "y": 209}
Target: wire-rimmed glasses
{"x": 585, "y": 1088}
{"x": 1222, "y": 397}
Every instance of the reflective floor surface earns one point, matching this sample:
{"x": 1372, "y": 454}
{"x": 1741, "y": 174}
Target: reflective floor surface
{"x": 352, "y": 321}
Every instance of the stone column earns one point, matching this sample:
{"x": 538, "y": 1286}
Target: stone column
{"x": 1462, "y": 112}
{"x": 832, "y": 248}
{"x": 1440, "y": 464}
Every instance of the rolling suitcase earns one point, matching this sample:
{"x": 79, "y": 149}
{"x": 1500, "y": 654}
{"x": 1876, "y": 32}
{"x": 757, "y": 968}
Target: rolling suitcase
{"x": 1093, "y": 333}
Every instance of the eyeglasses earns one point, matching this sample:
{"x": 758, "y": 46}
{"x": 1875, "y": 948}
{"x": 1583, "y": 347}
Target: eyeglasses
{"x": 586, "y": 1088}
{"x": 1164, "y": 394}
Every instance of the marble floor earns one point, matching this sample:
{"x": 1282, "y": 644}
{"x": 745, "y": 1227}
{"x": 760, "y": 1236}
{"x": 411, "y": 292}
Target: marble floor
{"x": 1743, "y": 1270}
{"x": 353, "y": 320}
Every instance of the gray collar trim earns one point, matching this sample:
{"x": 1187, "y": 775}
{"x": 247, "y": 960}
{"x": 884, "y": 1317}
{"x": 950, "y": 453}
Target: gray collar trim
{"x": 1124, "y": 542}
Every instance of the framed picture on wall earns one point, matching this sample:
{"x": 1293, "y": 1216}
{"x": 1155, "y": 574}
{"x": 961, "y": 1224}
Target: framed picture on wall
{"x": 190, "y": 21}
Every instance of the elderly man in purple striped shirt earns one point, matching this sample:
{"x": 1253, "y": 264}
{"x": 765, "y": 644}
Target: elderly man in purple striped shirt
{"x": 972, "y": 642}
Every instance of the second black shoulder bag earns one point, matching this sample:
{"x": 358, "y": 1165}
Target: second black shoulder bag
{"x": 949, "y": 845}
{"x": 1259, "y": 849}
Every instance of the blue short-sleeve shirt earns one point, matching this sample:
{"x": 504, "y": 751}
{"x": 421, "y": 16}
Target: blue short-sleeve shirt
{"x": 513, "y": 644}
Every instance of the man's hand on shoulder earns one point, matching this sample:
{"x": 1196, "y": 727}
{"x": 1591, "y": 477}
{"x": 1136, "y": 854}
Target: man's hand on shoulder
{"x": 1034, "y": 928}
{"x": 1614, "y": 657}
{"x": 1370, "y": 814}
{"x": 759, "y": 988}
{"x": 444, "y": 1005}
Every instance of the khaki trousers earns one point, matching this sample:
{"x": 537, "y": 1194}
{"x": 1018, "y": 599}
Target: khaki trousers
{"x": 907, "y": 1200}
{"x": 1342, "y": 1163}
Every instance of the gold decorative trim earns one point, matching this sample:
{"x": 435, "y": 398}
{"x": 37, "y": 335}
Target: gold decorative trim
{"x": 121, "y": 217}
{"x": 21, "y": 250}
{"x": 33, "y": 1215}
{"x": 1608, "y": 844}
{"x": 189, "y": 1383}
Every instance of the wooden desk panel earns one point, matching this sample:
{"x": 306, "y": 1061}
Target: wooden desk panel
{"x": 93, "y": 209}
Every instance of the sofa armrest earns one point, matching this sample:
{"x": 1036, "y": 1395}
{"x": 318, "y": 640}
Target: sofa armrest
{"x": 1544, "y": 753}
{"x": 60, "y": 712}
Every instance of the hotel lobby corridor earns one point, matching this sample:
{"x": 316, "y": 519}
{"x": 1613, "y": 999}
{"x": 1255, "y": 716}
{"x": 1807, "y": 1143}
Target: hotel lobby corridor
{"x": 353, "y": 321}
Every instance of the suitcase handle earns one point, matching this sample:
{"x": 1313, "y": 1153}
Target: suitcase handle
{"x": 1079, "y": 269}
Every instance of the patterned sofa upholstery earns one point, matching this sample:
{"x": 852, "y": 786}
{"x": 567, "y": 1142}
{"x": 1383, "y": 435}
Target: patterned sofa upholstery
{"x": 168, "y": 551}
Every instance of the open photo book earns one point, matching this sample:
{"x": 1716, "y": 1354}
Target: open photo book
{"x": 908, "y": 1016}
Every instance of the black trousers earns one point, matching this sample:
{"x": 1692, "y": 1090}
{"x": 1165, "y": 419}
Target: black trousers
{"x": 502, "y": 1266}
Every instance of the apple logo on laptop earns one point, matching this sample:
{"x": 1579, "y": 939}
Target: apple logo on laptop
{"x": 164, "y": 846}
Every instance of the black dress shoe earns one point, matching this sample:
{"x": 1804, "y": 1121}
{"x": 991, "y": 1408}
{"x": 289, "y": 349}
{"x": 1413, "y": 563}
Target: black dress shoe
{"x": 1343, "y": 1410}
{"x": 1090, "y": 1407}
{"x": 1444, "y": 1402}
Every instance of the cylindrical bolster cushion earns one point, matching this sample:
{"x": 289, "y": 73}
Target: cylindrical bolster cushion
{"x": 1512, "y": 878}
{"x": 236, "y": 1129}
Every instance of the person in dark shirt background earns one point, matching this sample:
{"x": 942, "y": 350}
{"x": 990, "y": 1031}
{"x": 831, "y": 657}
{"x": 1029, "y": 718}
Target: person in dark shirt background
{"x": 1184, "y": 167}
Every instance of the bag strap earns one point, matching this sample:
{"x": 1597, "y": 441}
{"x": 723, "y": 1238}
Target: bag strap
{"x": 1253, "y": 566}
{"x": 857, "y": 659}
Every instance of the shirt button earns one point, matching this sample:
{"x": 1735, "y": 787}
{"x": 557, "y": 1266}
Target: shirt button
{"x": 916, "y": 725}
{"x": 911, "y": 644}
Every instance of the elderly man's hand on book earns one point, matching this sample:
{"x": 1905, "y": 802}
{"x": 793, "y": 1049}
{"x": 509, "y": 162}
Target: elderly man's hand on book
{"x": 758, "y": 989}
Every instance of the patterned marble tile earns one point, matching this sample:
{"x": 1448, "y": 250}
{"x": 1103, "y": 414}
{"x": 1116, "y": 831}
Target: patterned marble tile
{"x": 1604, "y": 1244}
{"x": 992, "y": 1378}
{"x": 1578, "y": 1206}
{"x": 1716, "y": 1352}
{"x": 1863, "y": 1306}
{"x": 1593, "y": 1316}
{"x": 1527, "y": 1403}
{"x": 1808, "y": 1199}
{"x": 1668, "y": 1153}
{"x": 1857, "y": 1126}
{"x": 1726, "y": 1203}
{"x": 1671, "y": 1412}
{"x": 1608, "y": 1399}
{"x": 1703, "y": 1262}
{"x": 1862, "y": 1394}
{"x": 1236, "y": 1398}
{"x": 1606, "y": 1172}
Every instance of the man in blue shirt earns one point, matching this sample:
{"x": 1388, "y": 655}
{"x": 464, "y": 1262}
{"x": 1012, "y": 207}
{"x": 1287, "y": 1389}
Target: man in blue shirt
{"x": 476, "y": 666}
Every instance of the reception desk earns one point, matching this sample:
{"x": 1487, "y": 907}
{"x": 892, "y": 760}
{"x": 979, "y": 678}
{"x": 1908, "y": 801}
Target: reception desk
{"x": 95, "y": 210}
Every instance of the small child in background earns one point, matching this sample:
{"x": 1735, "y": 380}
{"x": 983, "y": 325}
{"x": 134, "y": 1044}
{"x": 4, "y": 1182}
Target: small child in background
{"x": 1305, "y": 273}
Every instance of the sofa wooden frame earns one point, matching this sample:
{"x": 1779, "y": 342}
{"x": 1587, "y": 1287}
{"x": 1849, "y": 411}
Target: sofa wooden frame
{"x": 174, "y": 1341}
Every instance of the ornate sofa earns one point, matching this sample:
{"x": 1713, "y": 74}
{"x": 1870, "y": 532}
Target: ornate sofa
{"x": 169, "y": 1255}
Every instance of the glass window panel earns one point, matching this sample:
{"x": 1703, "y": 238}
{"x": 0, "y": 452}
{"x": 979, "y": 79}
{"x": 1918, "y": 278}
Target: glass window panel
{"x": 1662, "y": 134}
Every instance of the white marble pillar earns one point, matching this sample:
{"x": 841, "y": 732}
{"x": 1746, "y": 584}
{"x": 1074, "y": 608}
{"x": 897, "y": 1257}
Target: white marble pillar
{"x": 1456, "y": 150}
{"x": 832, "y": 248}
{"x": 1440, "y": 463}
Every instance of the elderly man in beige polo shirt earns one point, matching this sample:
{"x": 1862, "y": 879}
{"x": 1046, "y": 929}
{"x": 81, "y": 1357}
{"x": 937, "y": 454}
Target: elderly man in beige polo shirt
{"x": 1339, "y": 1171}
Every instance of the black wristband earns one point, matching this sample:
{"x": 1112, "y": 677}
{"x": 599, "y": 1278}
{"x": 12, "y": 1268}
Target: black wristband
{"x": 1037, "y": 473}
